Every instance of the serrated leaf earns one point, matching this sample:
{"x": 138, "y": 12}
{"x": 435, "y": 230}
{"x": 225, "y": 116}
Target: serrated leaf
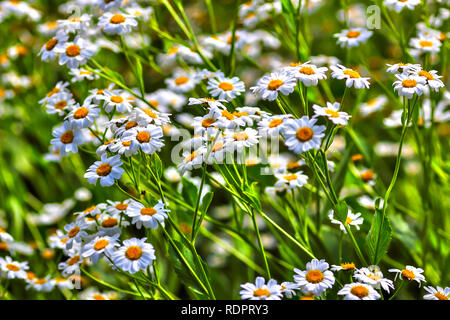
{"x": 379, "y": 237}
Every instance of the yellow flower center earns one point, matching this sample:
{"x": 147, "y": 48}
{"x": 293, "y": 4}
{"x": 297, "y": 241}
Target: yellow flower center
{"x": 425, "y": 44}
{"x": 348, "y": 265}
{"x": 217, "y": 147}
{"x": 290, "y": 177}
{"x": 98, "y": 297}
{"x": 12, "y": 267}
{"x": 408, "y": 274}
{"x": 240, "y": 136}
{"x": 117, "y": 19}
{"x": 130, "y": 124}
{"x": 261, "y": 292}
{"x": 367, "y": 175}
{"x": 227, "y": 115}
{"x": 73, "y": 232}
{"x": 307, "y": 70}
{"x": 348, "y": 220}
{"x": 116, "y": 99}
{"x": 314, "y": 276}
{"x": 51, "y": 44}
{"x": 359, "y": 291}
{"x": 275, "y": 123}
{"x": 133, "y": 253}
{"x": 274, "y": 84}
{"x": 67, "y": 137}
{"x": 110, "y": 223}
{"x": 148, "y": 211}
{"x": 332, "y": 113}
{"x": 104, "y": 169}
{"x": 352, "y": 73}
{"x": 121, "y": 206}
{"x": 61, "y": 105}
{"x": 143, "y": 137}
{"x": 304, "y": 134}
{"x": 353, "y": 34}
{"x": 181, "y": 80}
{"x": 440, "y": 296}
{"x": 409, "y": 83}
{"x": 226, "y": 86}
{"x": 73, "y": 260}
{"x": 73, "y": 50}
{"x": 426, "y": 74}
{"x": 81, "y": 113}
{"x": 206, "y": 123}
{"x": 101, "y": 244}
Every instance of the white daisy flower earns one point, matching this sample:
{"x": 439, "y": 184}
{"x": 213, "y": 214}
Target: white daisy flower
{"x": 100, "y": 246}
{"x": 373, "y": 105}
{"x": 345, "y": 266}
{"x": 260, "y": 290}
{"x": 75, "y": 24}
{"x": 359, "y": 291}
{"x": 309, "y": 74}
{"x": 437, "y": 293}
{"x": 75, "y": 233}
{"x": 63, "y": 283}
{"x": 432, "y": 78}
{"x": 41, "y": 284}
{"x": 289, "y": 288}
{"x": 66, "y": 138}
{"x": 238, "y": 140}
{"x": 82, "y": 116}
{"x": 332, "y": 112}
{"x": 181, "y": 81}
{"x": 107, "y": 170}
{"x": 316, "y": 279}
{"x": 225, "y": 88}
{"x": 272, "y": 126}
{"x": 208, "y": 102}
{"x": 60, "y": 87}
{"x": 191, "y": 160}
{"x": 228, "y": 120}
{"x": 352, "y": 77}
{"x": 82, "y": 75}
{"x": 302, "y": 134}
{"x": 401, "y": 67}
{"x": 75, "y": 53}
{"x": 108, "y": 4}
{"x": 71, "y": 265}
{"x": 12, "y": 269}
{"x": 291, "y": 181}
{"x": 116, "y": 23}
{"x": 151, "y": 116}
{"x": 374, "y": 277}
{"x": 117, "y": 207}
{"x": 59, "y": 103}
{"x": 353, "y": 37}
{"x": 110, "y": 225}
{"x": 424, "y": 44}
{"x": 149, "y": 217}
{"x": 148, "y": 139}
{"x": 5, "y": 236}
{"x": 118, "y": 100}
{"x": 398, "y": 5}
{"x": 134, "y": 255}
{"x": 410, "y": 273}
{"x": 269, "y": 85}
{"x": 352, "y": 219}
{"x": 407, "y": 85}
{"x": 48, "y": 52}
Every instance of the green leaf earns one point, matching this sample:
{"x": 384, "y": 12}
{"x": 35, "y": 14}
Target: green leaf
{"x": 206, "y": 201}
{"x": 157, "y": 165}
{"x": 139, "y": 76}
{"x": 379, "y": 236}
{"x": 341, "y": 211}
{"x": 189, "y": 191}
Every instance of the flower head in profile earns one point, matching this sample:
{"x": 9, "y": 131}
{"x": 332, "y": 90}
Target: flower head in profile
{"x": 437, "y": 293}
{"x": 149, "y": 217}
{"x": 270, "y": 85}
{"x": 117, "y": 23}
{"x": 399, "y": 5}
{"x": 352, "y": 219}
{"x": 410, "y": 273}
{"x": 260, "y": 290}
{"x": 373, "y": 276}
{"x": 352, "y": 77}
{"x": 359, "y": 291}
{"x": 331, "y": 111}
{"x": 309, "y": 74}
{"x": 352, "y": 37}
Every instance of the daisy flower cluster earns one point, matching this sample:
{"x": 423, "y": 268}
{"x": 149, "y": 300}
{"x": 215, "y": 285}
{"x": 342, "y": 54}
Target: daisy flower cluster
{"x": 190, "y": 147}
